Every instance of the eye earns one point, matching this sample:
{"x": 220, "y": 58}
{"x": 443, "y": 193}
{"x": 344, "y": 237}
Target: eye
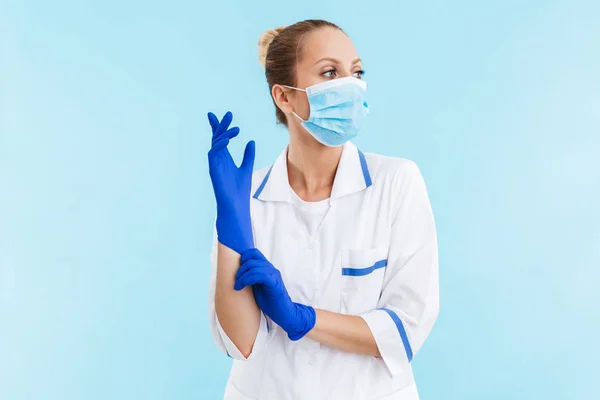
{"x": 358, "y": 74}
{"x": 329, "y": 73}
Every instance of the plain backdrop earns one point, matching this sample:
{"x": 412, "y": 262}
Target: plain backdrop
{"x": 107, "y": 211}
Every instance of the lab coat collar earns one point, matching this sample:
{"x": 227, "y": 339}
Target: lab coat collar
{"x": 352, "y": 176}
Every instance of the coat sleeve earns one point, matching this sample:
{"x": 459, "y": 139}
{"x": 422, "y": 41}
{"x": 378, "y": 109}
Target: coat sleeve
{"x": 220, "y": 338}
{"x": 409, "y": 302}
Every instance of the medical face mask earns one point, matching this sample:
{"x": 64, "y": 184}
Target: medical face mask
{"x": 338, "y": 108}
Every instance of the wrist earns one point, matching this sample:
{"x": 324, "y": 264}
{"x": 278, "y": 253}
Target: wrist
{"x": 235, "y": 233}
{"x": 305, "y": 321}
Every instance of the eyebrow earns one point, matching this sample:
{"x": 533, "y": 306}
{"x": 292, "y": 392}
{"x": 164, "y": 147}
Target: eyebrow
{"x": 336, "y": 61}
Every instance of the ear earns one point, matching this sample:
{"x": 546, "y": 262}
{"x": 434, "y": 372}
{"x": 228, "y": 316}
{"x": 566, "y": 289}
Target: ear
{"x": 282, "y": 97}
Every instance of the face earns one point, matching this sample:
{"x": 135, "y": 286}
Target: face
{"x": 326, "y": 54}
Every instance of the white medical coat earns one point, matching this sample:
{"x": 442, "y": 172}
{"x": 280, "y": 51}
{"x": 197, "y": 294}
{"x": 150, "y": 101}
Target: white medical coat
{"x": 374, "y": 255}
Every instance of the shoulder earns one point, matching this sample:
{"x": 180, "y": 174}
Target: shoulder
{"x": 401, "y": 180}
{"x": 392, "y": 170}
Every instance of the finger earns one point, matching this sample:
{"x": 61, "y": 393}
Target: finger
{"x": 251, "y": 253}
{"x": 217, "y": 148}
{"x": 214, "y": 122}
{"x": 265, "y": 273}
{"x": 249, "y": 153}
{"x": 219, "y": 145}
{"x": 225, "y": 122}
{"x": 250, "y": 265}
{"x": 249, "y": 279}
{"x": 230, "y": 133}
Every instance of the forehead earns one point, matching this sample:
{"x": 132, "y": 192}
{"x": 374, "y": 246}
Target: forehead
{"x": 327, "y": 42}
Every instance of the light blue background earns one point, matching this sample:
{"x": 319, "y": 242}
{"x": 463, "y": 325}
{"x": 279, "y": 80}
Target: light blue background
{"x": 107, "y": 209}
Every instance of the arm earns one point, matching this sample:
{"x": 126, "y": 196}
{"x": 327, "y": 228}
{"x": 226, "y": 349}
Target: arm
{"x": 409, "y": 301}
{"x": 238, "y": 327}
{"x": 236, "y": 311}
{"x": 237, "y": 324}
{"x": 348, "y": 333}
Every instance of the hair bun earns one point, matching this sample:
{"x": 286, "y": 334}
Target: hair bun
{"x": 265, "y": 40}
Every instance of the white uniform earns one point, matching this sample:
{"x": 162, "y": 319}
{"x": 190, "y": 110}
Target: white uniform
{"x": 370, "y": 250}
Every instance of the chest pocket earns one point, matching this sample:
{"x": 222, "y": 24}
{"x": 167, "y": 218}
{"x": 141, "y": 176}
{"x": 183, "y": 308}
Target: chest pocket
{"x": 362, "y": 278}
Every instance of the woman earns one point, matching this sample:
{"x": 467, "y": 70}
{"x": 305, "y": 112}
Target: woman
{"x": 325, "y": 276}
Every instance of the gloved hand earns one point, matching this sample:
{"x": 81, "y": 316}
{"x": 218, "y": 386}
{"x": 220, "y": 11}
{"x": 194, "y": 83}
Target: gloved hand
{"x": 272, "y": 296}
{"x": 231, "y": 186}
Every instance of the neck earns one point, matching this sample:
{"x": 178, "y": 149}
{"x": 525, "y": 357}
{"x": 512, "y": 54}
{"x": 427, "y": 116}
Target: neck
{"x": 311, "y": 167}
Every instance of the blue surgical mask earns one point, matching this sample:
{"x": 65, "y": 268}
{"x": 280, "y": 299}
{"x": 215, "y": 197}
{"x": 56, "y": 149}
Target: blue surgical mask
{"x": 337, "y": 110}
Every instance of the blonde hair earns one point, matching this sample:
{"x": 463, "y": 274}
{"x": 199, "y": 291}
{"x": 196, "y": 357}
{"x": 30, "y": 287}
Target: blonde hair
{"x": 265, "y": 40}
{"x": 280, "y": 49}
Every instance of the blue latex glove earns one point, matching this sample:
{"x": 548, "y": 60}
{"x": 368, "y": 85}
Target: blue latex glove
{"x": 272, "y": 296}
{"x": 231, "y": 186}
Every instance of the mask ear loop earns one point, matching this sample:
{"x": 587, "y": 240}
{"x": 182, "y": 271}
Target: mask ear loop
{"x": 295, "y": 88}
{"x": 302, "y": 90}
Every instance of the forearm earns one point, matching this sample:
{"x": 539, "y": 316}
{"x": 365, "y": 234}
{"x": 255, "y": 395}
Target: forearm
{"x": 348, "y": 333}
{"x": 237, "y": 311}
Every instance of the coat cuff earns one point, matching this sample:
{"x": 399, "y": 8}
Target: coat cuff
{"x": 259, "y": 342}
{"x": 390, "y": 336}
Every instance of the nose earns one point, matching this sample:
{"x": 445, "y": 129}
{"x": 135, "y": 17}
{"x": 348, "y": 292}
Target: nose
{"x": 345, "y": 72}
